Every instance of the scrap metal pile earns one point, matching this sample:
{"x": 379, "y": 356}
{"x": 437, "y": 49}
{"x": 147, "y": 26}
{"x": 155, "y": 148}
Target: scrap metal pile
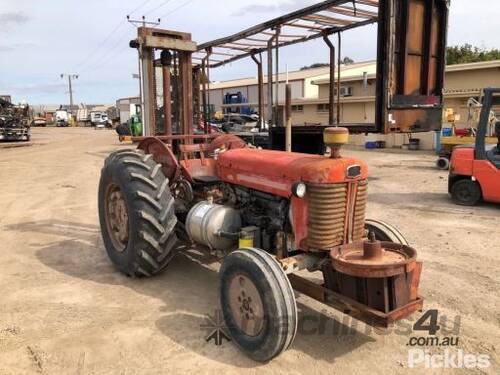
{"x": 14, "y": 122}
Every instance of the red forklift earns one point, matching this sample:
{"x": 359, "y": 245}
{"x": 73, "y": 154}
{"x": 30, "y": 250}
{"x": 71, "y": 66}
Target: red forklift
{"x": 475, "y": 170}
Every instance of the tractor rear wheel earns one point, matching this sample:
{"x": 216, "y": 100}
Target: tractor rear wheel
{"x": 466, "y": 192}
{"x": 258, "y": 304}
{"x": 385, "y": 232}
{"x": 136, "y": 212}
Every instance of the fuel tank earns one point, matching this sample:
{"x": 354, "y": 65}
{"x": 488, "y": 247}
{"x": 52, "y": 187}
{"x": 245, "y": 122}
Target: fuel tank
{"x": 276, "y": 172}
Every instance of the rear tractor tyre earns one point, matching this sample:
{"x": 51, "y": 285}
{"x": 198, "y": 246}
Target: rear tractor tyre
{"x": 385, "y": 232}
{"x": 258, "y": 304}
{"x": 136, "y": 212}
{"x": 466, "y": 192}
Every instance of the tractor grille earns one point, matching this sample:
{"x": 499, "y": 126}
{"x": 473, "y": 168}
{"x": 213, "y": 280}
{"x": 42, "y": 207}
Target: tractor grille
{"x": 336, "y": 214}
{"x": 358, "y": 223}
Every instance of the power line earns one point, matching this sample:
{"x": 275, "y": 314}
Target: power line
{"x": 158, "y": 7}
{"x": 108, "y": 37}
{"x": 109, "y": 60}
{"x": 140, "y": 6}
{"x": 101, "y": 44}
{"x": 109, "y": 53}
{"x": 178, "y": 8}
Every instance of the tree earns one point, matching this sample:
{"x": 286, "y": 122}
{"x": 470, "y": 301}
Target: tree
{"x": 346, "y": 61}
{"x": 315, "y": 65}
{"x": 469, "y": 54}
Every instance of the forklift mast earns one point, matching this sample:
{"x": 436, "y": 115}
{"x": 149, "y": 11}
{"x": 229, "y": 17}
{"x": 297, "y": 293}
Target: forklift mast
{"x": 410, "y": 65}
{"x": 411, "y": 51}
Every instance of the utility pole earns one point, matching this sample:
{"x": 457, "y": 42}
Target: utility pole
{"x": 142, "y": 22}
{"x": 70, "y": 77}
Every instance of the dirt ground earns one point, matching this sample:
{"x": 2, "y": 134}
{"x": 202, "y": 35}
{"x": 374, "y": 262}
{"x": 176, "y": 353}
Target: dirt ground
{"x": 64, "y": 309}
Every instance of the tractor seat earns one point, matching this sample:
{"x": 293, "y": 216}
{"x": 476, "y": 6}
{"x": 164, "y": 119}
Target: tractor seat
{"x": 200, "y": 170}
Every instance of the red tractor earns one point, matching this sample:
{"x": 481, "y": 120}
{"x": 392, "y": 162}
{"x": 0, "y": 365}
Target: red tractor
{"x": 475, "y": 170}
{"x": 270, "y": 214}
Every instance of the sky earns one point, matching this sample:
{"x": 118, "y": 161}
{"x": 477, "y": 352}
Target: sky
{"x": 42, "y": 39}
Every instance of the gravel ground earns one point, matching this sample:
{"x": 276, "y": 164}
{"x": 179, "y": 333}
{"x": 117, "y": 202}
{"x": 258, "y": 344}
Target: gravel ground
{"x": 64, "y": 309}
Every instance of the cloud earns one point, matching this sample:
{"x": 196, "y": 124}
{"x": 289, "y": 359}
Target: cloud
{"x": 284, "y": 7}
{"x": 15, "y": 46}
{"x": 54, "y": 87}
{"x": 38, "y": 88}
{"x": 16, "y": 18}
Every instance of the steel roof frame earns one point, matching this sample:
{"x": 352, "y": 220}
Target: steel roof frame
{"x": 316, "y": 25}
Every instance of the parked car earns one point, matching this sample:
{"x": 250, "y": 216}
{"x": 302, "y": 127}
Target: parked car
{"x": 39, "y": 121}
{"x": 237, "y": 122}
{"x": 100, "y": 119}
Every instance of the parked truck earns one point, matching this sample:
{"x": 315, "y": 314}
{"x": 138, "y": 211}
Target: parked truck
{"x": 83, "y": 116}
{"x": 62, "y": 118}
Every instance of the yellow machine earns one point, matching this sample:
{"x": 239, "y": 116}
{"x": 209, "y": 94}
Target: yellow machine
{"x": 452, "y": 136}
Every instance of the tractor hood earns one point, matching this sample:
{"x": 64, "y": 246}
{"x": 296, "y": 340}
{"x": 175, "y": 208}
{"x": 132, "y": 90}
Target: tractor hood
{"x": 275, "y": 172}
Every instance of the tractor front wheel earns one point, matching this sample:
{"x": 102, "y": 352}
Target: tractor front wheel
{"x": 385, "y": 232}
{"x": 257, "y": 303}
{"x": 466, "y": 192}
{"x": 136, "y": 212}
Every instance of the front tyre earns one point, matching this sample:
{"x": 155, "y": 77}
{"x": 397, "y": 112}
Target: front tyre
{"x": 136, "y": 212}
{"x": 257, "y": 303}
{"x": 385, "y": 232}
{"x": 466, "y": 192}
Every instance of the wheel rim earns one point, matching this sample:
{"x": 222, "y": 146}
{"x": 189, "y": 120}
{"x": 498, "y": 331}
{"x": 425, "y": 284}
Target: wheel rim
{"x": 246, "y": 305}
{"x": 117, "y": 217}
{"x": 464, "y": 194}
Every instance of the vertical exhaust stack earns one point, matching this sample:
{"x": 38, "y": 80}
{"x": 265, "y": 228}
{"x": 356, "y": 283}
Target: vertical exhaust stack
{"x": 288, "y": 110}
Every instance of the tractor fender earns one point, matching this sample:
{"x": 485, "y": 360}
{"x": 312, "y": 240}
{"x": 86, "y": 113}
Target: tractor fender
{"x": 162, "y": 154}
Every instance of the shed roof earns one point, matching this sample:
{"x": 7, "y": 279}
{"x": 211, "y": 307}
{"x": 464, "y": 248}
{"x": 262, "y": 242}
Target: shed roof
{"x": 315, "y": 21}
{"x": 356, "y": 73}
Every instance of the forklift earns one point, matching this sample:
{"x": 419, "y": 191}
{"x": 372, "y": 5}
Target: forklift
{"x": 475, "y": 170}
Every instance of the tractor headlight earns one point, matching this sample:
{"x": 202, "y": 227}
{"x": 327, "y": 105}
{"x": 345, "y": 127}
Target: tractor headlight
{"x": 299, "y": 189}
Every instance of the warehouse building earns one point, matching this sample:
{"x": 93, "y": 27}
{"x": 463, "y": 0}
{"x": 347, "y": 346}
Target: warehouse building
{"x": 128, "y": 107}
{"x": 310, "y": 93}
